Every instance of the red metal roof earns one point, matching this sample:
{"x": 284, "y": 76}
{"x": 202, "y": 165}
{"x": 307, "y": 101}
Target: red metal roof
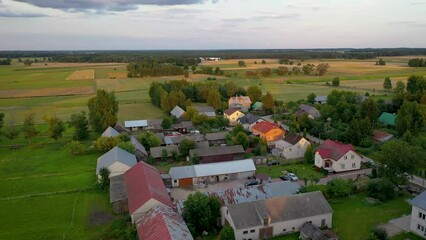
{"x": 333, "y": 150}
{"x": 381, "y": 136}
{"x": 265, "y": 126}
{"x": 144, "y": 182}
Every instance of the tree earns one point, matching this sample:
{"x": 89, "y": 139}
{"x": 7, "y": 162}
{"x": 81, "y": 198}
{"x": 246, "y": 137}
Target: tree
{"x": 56, "y": 127}
{"x": 370, "y": 110}
{"x": 166, "y": 123}
{"x": 103, "y": 109}
{"x": 265, "y": 72}
{"x": 381, "y": 62}
{"x": 227, "y": 233}
{"x": 213, "y": 99}
{"x": 175, "y": 156}
{"x": 268, "y": 103}
{"x": 149, "y": 140}
{"x": 81, "y": 125}
{"x": 382, "y": 189}
{"x": 28, "y": 62}
{"x": 186, "y": 145}
{"x": 104, "y": 144}
{"x": 254, "y": 93}
{"x": 263, "y": 61}
{"x": 201, "y": 212}
{"x": 128, "y": 146}
{"x": 322, "y": 69}
{"x": 29, "y": 127}
{"x": 193, "y": 68}
{"x": 408, "y": 118}
{"x": 164, "y": 155}
{"x": 241, "y": 63}
{"x": 307, "y": 69}
{"x": 282, "y": 71}
{"x": 387, "y": 84}
{"x": 338, "y": 188}
{"x": 12, "y": 131}
{"x": 360, "y": 129}
{"x": 1, "y": 120}
{"x": 309, "y": 156}
{"x": 311, "y": 98}
{"x": 378, "y": 233}
{"x": 76, "y": 148}
{"x": 103, "y": 183}
{"x": 241, "y": 138}
{"x": 335, "y": 82}
{"x": 215, "y": 205}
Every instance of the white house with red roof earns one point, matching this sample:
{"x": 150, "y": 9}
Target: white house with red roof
{"x": 337, "y": 157}
{"x": 145, "y": 190}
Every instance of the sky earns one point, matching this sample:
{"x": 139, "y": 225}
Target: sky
{"x": 210, "y": 24}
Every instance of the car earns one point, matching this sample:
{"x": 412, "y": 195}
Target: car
{"x": 285, "y": 178}
{"x": 252, "y": 182}
{"x": 293, "y": 177}
{"x": 273, "y": 162}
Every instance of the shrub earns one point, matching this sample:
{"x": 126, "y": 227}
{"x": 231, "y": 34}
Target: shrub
{"x": 128, "y": 146}
{"x": 104, "y": 144}
{"x": 124, "y": 137}
{"x": 339, "y": 188}
{"x": 227, "y": 233}
{"x": 382, "y": 189}
{"x": 76, "y": 148}
{"x": 378, "y": 234}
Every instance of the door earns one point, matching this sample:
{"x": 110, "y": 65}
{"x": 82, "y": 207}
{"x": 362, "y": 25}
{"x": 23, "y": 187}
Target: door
{"x": 265, "y": 233}
{"x": 323, "y": 223}
{"x": 185, "y": 182}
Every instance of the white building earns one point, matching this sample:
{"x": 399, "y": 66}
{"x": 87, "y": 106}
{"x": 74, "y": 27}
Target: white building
{"x": 337, "y": 157}
{"x": 277, "y": 216}
{"x": 418, "y": 215}
{"x": 292, "y": 146}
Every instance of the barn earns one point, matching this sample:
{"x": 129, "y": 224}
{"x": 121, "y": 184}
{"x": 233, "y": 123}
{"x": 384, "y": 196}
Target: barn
{"x": 116, "y": 160}
{"x": 218, "y": 154}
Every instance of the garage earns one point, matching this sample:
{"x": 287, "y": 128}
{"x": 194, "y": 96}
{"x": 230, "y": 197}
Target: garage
{"x": 185, "y": 182}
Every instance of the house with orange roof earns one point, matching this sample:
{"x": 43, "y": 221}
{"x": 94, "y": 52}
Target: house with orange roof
{"x": 241, "y": 103}
{"x": 337, "y": 157}
{"x": 268, "y": 131}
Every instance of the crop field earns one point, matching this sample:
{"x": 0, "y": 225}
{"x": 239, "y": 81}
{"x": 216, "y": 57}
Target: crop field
{"x": 117, "y": 75}
{"x": 88, "y": 74}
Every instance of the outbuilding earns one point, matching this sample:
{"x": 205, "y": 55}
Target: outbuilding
{"x": 116, "y": 160}
{"x": 218, "y": 154}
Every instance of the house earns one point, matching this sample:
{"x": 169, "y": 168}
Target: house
{"x": 249, "y": 120}
{"x": 232, "y": 115}
{"x": 135, "y": 125}
{"x": 309, "y": 231}
{"x": 312, "y": 112}
{"x": 140, "y": 151}
{"x": 183, "y": 127}
{"x": 270, "y": 132}
{"x": 212, "y": 172}
{"x": 320, "y": 99}
{"x": 162, "y": 223}
{"x": 116, "y": 160}
{"x": 276, "y": 216}
{"x": 387, "y": 118}
{"x": 205, "y": 110}
{"x": 218, "y": 154}
{"x": 241, "y": 103}
{"x": 145, "y": 190}
{"x": 157, "y": 152}
{"x": 216, "y": 138}
{"x": 117, "y": 194}
{"x": 418, "y": 215}
{"x": 257, "y": 106}
{"x": 177, "y": 112}
{"x": 292, "y": 146}
{"x": 381, "y": 137}
{"x": 110, "y": 132}
{"x": 337, "y": 157}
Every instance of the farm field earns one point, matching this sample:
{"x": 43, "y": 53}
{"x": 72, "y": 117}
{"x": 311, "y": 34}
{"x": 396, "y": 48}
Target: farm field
{"x": 88, "y": 74}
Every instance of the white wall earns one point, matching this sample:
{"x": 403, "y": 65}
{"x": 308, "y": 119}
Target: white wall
{"x": 416, "y": 220}
{"x": 117, "y": 168}
{"x": 352, "y": 162}
{"x": 296, "y": 151}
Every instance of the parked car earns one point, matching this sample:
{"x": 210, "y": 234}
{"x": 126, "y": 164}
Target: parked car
{"x": 285, "y": 178}
{"x": 273, "y": 162}
{"x": 293, "y": 177}
{"x": 252, "y": 182}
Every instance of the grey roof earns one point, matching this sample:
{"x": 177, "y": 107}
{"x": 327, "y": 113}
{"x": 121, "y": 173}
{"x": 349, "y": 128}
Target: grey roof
{"x": 177, "y": 112}
{"x": 278, "y": 209}
{"x": 249, "y": 119}
{"x": 184, "y": 124}
{"x": 215, "y": 151}
{"x": 110, "y": 132}
{"x": 419, "y": 201}
{"x": 254, "y": 193}
{"x": 135, "y": 123}
{"x": 117, "y": 188}
{"x": 203, "y": 144}
{"x": 154, "y": 122}
{"x": 138, "y": 146}
{"x": 157, "y": 152}
{"x": 182, "y": 172}
{"x": 321, "y": 99}
{"x": 311, "y": 110}
{"x": 216, "y": 136}
{"x": 177, "y": 139}
{"x": 206, "y": 110}
{"x": 115, "y": 155}
{"x": 161, "y": 137}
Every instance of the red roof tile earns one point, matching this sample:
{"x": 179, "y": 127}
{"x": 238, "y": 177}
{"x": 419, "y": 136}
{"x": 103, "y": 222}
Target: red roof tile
{"x": 144, "y": 182}
{"x": 333, "y": 150}
{"x": 265, "y": 127}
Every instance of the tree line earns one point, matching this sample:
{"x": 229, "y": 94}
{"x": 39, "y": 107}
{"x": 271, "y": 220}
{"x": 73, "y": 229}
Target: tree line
{"x": 152, "y": 69}
{"x": 417, "y": 62}
{"x": 319, "y": 70}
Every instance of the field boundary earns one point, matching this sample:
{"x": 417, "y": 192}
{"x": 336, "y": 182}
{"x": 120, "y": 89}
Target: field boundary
{"x": 47, "y": 194}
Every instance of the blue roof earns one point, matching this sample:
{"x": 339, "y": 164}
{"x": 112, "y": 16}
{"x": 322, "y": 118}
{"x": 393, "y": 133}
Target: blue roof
{"x": 419, "y": 201}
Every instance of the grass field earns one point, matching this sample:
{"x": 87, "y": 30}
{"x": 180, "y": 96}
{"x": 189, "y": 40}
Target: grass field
{"x": 88, "y": 74}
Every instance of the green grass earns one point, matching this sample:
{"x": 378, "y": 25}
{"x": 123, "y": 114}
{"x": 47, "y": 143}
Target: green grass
{"x": 293, "y": 236}
{"x": 353, "y": 217}
{"x": 301, "y": 170}
{"x": 406, "y": 236}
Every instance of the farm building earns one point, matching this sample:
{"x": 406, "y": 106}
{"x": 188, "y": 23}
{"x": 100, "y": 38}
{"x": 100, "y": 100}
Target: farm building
{"x": 162, "y": 223}
{"x": 116, "y": 160}
{"x": 381, "y": 137}
{"x": 241, "y": 103}
{"x": 117, "y": 194}
{"x": 110, "y": 132}
{"x": 154, "y": 124}
{"x": 212, "y": 172}
{"x": 268, "y": 131}
{"x": 120, "y": 128}
{"x": 145, "y": 190}
{"x": 205, "y": 110}
{"x": 216, "y": 138}
{"x": 418, "y": 215}
{"x": 249, "y": 120}
{"x": 320, "y": 99}
{"x": 292, "y": 146}
{"x": 136, "y": 125}
{"x": 387, "y": 118}
{"x": 177, "y": 112}
{"x": 157, "y": 152}
{"x": 140, "y": 151}
{"x": 272, "y": 217}
{"x": 337, "y": 157}
{"x": 232, "y": 115}
{"x": 183, "y": 127}
{"x": 175, "y": 140}
{"x": 218, "y": 154}
{"x": 312, "y": 112}
{"x": 309, "y": 231}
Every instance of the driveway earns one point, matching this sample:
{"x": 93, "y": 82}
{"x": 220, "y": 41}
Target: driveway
{"x": 397, "y": 225}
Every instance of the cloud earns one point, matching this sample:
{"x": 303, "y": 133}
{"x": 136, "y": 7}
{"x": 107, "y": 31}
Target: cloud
{"x": 108, "y": 5}
{"x": 408, "y": 23}
{"x": 9, "y": 14}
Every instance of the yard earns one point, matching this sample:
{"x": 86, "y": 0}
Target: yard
{"x": 302, "y": 170}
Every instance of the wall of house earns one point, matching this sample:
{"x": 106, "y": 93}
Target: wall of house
{"x": 225, "y": 177}
{"x": 352, "y": 162}
{"x": 417, "y": 222}
{"x": 274, "y": 135}
{"x": 296, "y": 151}
{"x": 233, "y": 118}
{"x": 117, "y": 168}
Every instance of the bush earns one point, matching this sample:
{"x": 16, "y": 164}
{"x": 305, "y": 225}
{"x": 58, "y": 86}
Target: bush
{"x": 378, "y": 234}
{"x": 227, "y": 233}
{"x": 124, "y": 137}
{"x": 128, "y": 146}
{"x": 382, "y": 189}
{"x": 76, "y": 148}
{"x": 339, "y": 188}
{"x": 104, "y": 144}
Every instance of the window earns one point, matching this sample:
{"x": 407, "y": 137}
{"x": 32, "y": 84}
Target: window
{"x": 352, "y": 156}
{"x": 418, "y": 226}
{"x": 422, "y": 215}
{"x": 292, "y": 228}
{"x": 345, "y": 157}
{"x": 353, "y": 165}
{"x": 227, "y": 212}
{"x": 175, "y": 181}
{"x": 245, "y": 232}
{"x": 253, "y": 230}
{"x": 284, "y": 230}
{"x": 342, "y": 166}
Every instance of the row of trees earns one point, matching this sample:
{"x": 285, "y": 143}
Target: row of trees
{"x": 152, "y": 69}
{"x": 6, "y": 61}
{"x": 320, "y": 70}
{"x": 417, "y": 62}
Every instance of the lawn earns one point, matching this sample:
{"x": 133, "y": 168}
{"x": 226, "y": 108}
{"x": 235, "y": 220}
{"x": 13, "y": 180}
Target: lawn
{"x": 406, "y": 236}
{"x": 300, "y": 169}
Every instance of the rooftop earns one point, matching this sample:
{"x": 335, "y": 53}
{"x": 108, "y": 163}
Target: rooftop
{"x": 115, "y": 155}
{"x": 157, "y": 152}
{"x": 177, "y": 112}
{"x": 117, "y": 189}
{"x": 230, "y": 111}
{"x": 215, "y": 151}
{"x": 249, "y": 119}
{"x": 311, "y": 110}
{"x": 138, "y": 146}
{"x": 136, "y": 123}
{"x": 333, "y": 150}
{"x": 381, "y": 136}
{"x": 216, "y": 136}
{"x": 240, "y": 100}
{"x": 110, "y": 132}
{"x": 292, "y": 138}
{"x": 388, "y": 118}
{"x": 265, "y": 127}
{"x": 420, "y": 201}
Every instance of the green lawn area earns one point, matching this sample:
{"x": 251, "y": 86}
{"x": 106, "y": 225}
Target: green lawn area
{"x": 302, "y": 170}
{"x": 406, "y": 236}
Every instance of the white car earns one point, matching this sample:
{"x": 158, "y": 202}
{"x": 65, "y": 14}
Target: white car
{"x": 293, "y": 177}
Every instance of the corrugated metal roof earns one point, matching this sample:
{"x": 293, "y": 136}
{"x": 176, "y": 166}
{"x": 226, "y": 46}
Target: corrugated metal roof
{"x": 182, "y": 172}
{"x": 320, "y": 98}
{"x": 177, "y": 112}
{"x": 216, "y": 136}
{"x": 110, "y": 132}
{"x": 420, "y": 201}
{"x": 157, "y": 152}
{"x": 115, "y": 155}
{"x": 136, "y": 123}
{"x": 138, "y": 146}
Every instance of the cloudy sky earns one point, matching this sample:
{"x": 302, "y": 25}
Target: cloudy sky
{"x": 210, "y": 24}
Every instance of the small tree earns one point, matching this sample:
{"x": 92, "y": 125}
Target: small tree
{"x": 1, "y": 120}
{"x": 76, "y": 148}
{"x": 309, "y": 155}
{"x": 311, "y": 98}
{"x": 56, "y": 127}
{"x": 149, "y": 140}
{"x": 164, "y": 155}
{"x": 387, "y": 84}
{"x": 378, "y": 234}
{"x": 175, "y": 156}
{"x": 28, "y": 62}
{"x": 103, "y": 183}
{"x": 128, "y": 146}
{"x": 195, "y": 159}
{"x": 322, "y": 69}
{"x": 186, "y": 145}
{"x": 241, "y": 63}
{"x": 241, "y": 139}
{"x": 227, "y": 233}
{"x": 339, "y": 188}
{"x": 124, "y": 137}
{"x": 29, "y": 128}
{"x": 263, "y": 61}
{"x": 104, "y": 144}
{"x": 81, "y": 124}
{"x": 254, "y": 93}
{"x": 12, "y": 131}
{"x": 268, "y": 103}
{"x": 336, "y": 81}
{"x": 197, "y": 213}
{"x": 382, "y": 189}
{"x": 166, "y": 123}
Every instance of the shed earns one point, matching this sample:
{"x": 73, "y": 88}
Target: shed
{"x": 140, "y": 151}
{"x": 387, "y": 118}
{"x": 116, "y": 160}
{"x": 157, "y": 152}
{"x": 135, "y": 125}
{"x": 218, "y": 154}
{"x": 257, "y": 106}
